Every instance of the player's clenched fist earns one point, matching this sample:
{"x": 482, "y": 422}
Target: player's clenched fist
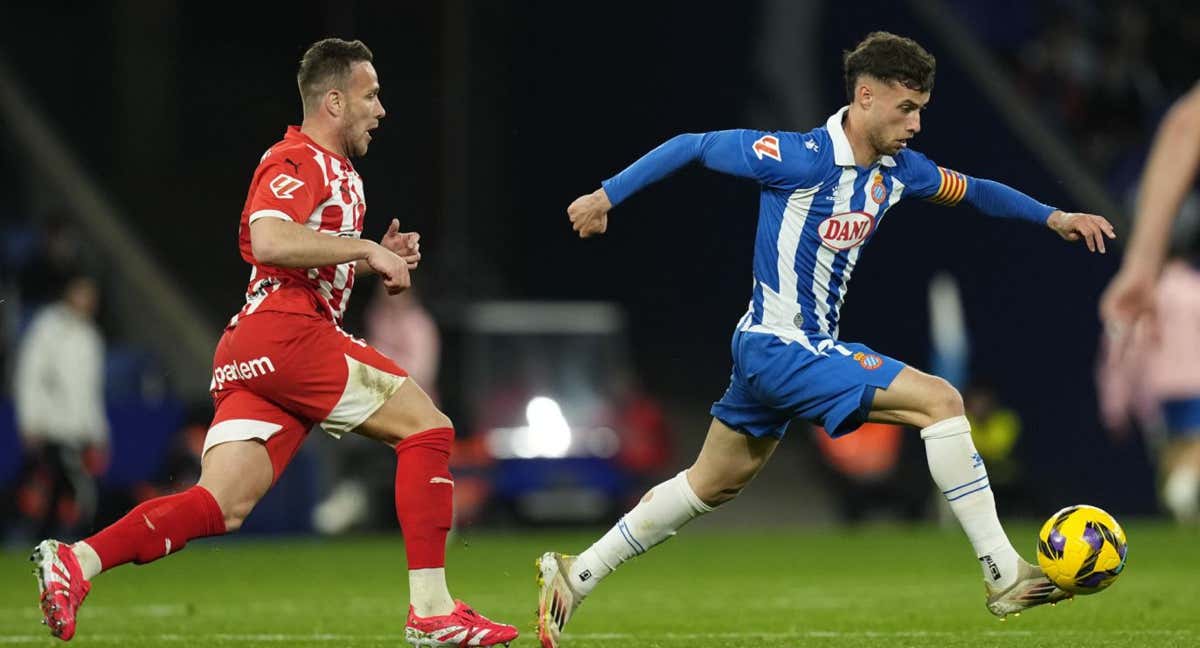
{"x": 589, "y": 213}
{"x": 390, "y": 267}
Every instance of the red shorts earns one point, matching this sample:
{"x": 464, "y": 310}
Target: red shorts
{"x": 275, "y": 375}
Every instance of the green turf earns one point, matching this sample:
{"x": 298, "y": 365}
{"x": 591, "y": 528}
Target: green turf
{"x": 870, "y": 587}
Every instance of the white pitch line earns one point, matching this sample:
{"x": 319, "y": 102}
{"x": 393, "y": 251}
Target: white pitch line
{"x": 601, "y": 636}
{"x": 192, "y": 639}
{"x": 865, "y": 634}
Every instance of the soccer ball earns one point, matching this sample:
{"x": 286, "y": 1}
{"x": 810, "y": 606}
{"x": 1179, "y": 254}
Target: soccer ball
{"x": 1082, "y": 549}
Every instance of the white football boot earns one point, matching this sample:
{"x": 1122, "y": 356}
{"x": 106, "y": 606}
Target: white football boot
{"x": 556, "y": 600}
{"x": 1031, "y": 589}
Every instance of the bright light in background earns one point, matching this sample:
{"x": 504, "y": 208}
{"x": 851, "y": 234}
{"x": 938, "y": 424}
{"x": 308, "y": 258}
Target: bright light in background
{"x": 547, "y": 434}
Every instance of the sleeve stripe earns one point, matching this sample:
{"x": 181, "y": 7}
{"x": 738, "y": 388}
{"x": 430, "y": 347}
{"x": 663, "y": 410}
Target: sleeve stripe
{"x": 952, "y": 189}
{"x": 269, "y": 213}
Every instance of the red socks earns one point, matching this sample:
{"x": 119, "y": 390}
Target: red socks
{"x": 425, "y": 496}
{"x": 159, "y": 527}
{"x": 424, "y": 507}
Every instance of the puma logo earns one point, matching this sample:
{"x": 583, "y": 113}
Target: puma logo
{"x": 441, "y": 480}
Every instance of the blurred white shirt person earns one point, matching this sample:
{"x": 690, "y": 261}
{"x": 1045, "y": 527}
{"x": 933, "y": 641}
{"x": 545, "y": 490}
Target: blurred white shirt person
{"x": 59, "y": 391}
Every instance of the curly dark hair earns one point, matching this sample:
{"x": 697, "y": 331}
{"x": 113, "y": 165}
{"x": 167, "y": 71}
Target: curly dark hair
{"x": 326, "y": 64}
{"x": 888, "y": 57}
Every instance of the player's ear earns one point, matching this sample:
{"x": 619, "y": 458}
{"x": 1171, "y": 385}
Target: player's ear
{"x": 864, "y": 94}
{"x": 334, "y": 102}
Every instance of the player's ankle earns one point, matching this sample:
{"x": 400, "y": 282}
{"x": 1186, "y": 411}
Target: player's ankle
{"x": 428, "y": 593}
{"x": 1000, "y": 566}
{"x": 586, "y": 573}
{"x": 89, "y": 560}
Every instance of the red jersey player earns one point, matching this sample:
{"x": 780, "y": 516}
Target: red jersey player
{"x": 285, "y": 364}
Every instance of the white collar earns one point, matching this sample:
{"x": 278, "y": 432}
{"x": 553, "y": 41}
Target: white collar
{"x": 843, "y": 155}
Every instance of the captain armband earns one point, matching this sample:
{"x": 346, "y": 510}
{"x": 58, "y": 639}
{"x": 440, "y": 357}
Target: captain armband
{"x": 952, "y": 189}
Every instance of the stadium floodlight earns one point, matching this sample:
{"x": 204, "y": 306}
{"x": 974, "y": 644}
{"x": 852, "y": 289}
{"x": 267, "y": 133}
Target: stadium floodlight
{"x": 547, "y": 433}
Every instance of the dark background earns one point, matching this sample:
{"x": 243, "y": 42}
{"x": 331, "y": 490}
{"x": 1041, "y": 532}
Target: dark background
{"x": 500, "y": 113}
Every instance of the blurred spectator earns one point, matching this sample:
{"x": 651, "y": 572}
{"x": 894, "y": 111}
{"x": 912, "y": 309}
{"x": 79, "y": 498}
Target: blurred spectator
{"x": 181, "y": 467}
{"x": 54, "y": 260}
{"x": 1154, "y": 379}
{"x": 869, "y": 475}
{"x": 1163, "y": 215}
{"x": 996, "y": 431}
{"x": 35, "y": 260}
{"x": 1096, "y": 73}
{"x": 401, "y": 328}
{"x": 645, "y": 442}
{"x": 59, "y": 389}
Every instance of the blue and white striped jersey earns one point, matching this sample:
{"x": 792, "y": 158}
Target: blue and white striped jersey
{"x": 817, "y": 209}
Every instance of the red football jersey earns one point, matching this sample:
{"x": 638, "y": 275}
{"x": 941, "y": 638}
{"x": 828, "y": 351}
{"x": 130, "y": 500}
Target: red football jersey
{"x": 299, "y": 180}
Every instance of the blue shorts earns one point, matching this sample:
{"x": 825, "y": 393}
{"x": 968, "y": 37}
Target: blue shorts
{"x": 1182, "y": 417}
{"x": 829, "y": 383}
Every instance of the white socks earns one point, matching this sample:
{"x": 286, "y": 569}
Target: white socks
{"x": 667, "y": 507}
{"x": 427, "y": 592}
{"x": 960, "y": 474}
{"x": 89, "y": 560}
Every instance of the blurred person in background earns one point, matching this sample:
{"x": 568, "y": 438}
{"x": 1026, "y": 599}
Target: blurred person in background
{"x": 646, "y": 442}
{"x": 1151, "y": 312}
{"x": 996, "y": 431}
{"x": 59, "y": 390}
{"x": 1153, "y": 378}
{"x": 403, "y": 329}
{"x": 284, "y": 364}
{"x": 822, "y": 195}
{"x": 1169, "y": 176}
{"x": 867, "y": 475}
{"x": 54, "y": 260}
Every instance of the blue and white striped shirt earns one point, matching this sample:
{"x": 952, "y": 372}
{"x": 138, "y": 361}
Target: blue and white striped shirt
{"x": 817, "y": 209}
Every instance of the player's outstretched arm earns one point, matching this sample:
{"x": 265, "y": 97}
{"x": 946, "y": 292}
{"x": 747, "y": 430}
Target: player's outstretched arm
{"x": 1170, "y": 171}
{"x": 287, "y": 244}
{"x": 997, "y": 199}
{"x": 720, "y": 151}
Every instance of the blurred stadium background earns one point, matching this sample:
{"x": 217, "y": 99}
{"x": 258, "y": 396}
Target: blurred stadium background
{"x": 129, "y": 129}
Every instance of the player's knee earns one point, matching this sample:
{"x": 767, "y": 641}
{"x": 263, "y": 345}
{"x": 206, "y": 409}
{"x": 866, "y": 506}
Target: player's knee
{"x": 434, "y": 419}
{"x": 943, "y": 402}
{"x": 719, "y": 497}
{"x": 717, "y": 490}
{"x": 236, "y": 514}
{"x": 440, "y": 420}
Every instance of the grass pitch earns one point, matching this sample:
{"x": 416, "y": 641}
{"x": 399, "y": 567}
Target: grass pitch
{"x": 875, "y": 586}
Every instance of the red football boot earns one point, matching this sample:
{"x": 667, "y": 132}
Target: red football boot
{"x": 61, "y": 585}
{"x": 462, "y": 627}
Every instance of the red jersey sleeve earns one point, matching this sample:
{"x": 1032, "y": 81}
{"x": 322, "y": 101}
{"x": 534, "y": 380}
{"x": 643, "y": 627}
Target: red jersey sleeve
{"x": 287, "y": 186}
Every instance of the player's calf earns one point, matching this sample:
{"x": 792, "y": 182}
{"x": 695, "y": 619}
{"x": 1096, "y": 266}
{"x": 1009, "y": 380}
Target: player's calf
{"x": 157, "y": 528}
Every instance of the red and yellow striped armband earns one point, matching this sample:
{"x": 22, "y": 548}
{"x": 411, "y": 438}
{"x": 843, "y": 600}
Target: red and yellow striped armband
{"x": 951, "y": 190}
